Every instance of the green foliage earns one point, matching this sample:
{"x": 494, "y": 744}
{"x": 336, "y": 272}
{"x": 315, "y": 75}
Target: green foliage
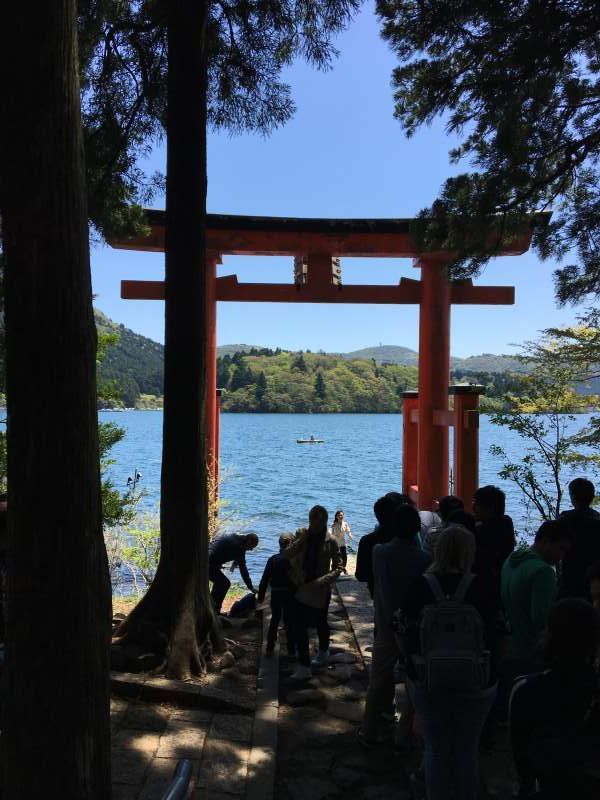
{"x": 519, "y": 84}
{"x": 299, "y": 363}
{"x": 278, "y": 381}
{"x": 118, "y": 508}
{"x": 141, "y": 551}
{"x": 320, "y": 390}
{"x": 543, "y": 416}
{"x": 129, "y": 364}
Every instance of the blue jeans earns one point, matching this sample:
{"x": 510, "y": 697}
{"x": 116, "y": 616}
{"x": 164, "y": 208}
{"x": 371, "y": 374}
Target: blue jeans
{"x": 452, "y": 725}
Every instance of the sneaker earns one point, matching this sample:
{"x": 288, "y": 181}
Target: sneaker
{"x": 301, "y": 673}
{"x": 320, "y": 659}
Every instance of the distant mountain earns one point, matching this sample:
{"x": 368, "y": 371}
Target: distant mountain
{"x": 394, "y": 354}
{"x": 134, "y": 362}
{"x": 232, "y": 349}
{"x": 487, "y": 362}
{"x": 386, "y": 354}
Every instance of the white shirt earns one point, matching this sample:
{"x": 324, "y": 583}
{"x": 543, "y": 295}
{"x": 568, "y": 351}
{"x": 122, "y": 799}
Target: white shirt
{"x": 339, "y": 531}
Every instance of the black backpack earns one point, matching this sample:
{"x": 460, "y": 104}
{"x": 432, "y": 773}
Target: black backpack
{"x": 452, "y": 634}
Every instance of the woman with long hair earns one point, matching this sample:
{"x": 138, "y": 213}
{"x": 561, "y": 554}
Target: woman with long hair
{"x": 339, "y": 530}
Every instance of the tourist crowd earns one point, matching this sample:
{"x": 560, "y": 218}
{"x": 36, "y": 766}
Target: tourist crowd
{"x": 482, "y": 632}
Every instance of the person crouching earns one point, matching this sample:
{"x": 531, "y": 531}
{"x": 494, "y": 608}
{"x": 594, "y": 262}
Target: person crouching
{"x": 228, "y": 547}
{"x": 277, "y": 576}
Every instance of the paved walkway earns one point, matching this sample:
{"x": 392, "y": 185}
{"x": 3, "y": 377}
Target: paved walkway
{"x": 358, "y": 606}
{"x": 148, "y": 740}
{"x": 318, "y": 756}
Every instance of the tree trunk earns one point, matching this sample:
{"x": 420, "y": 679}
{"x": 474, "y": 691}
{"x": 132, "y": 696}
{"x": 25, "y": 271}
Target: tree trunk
{"x": 56, "y": 726}
{"x": 178, "y": 602}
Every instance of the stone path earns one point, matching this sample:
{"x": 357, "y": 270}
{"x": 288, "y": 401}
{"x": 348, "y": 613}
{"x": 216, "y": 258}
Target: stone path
{"x": 148, "y": 740}
{"x": 358, "y": 605}
{"x": 212, "y": 723}
{"x": 318, "y": 756}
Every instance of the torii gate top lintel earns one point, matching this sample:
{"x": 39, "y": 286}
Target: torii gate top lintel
{"x": 229, "y": 234}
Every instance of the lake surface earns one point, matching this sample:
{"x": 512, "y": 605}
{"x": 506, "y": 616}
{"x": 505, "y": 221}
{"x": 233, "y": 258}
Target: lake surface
{"x": 269, "y": 482}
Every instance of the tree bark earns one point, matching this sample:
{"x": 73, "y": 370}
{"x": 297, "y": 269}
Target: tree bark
{"x": 178, "y": 602}
{"x": 56, "y": 726}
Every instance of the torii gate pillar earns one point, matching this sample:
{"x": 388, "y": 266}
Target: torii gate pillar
{"x": 434, "y": 376}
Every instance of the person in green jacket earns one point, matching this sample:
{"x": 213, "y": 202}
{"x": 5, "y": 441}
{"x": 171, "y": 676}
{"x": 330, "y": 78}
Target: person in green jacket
{"x": 529, "y": 587}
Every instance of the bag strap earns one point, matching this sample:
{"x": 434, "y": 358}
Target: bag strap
{"x": 435, "y": 587}
{"x": 463, "y": 587}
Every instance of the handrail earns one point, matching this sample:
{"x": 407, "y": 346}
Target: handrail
{"x": 180, "y": 782}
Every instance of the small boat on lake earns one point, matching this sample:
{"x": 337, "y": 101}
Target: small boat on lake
{"x": 311, "y": 440}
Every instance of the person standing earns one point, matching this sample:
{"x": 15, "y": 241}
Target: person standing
{"x": 585, "y": 550}
{"x": 452, "y": 703}
{"x": 447, "y": 506}
{"x": 555, "y": 714}
{"x": 396, "y": 565}
{"x": 494, "y": 535}
{"x": 384, "y": 513}
{"x": 315, "y": 564}
{"x": 277, "y": 576}
{"x": 228, "y": 547}
{"x": 339, "y": 530}
{"x": 529, "y": 589}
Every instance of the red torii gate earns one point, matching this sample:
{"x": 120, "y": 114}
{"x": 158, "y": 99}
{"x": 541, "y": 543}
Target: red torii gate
{"x": 314, "y": 243}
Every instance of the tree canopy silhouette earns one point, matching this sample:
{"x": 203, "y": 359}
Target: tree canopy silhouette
{"x": 519, "y": 83}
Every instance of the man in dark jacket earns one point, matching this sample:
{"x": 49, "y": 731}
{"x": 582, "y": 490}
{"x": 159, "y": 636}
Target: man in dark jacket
{"x": 277, "y": 576}
{"x": 494, "y": 536}
{"x": 396, "y": 565}
{"x": 383, "y": 509}
{"x": 225, "y": 548}
{"x": 584, "y": 523}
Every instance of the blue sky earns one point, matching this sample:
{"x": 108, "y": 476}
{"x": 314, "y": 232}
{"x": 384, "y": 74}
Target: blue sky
{"x": 342, "y": 155}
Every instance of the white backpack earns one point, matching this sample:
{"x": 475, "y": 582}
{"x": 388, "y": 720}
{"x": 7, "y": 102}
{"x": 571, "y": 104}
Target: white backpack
{"x": 453, "y": 654}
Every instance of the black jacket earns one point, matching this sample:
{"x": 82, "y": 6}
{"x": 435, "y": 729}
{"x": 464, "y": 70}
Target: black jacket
{"x": 553, "y": 722}
{"x": 495, "y": 540}
{"x": 364, "y": 555}
{"x": 277, "y": 575}
{"x": 230, "y": 547}
{"x": 585, "y": 549}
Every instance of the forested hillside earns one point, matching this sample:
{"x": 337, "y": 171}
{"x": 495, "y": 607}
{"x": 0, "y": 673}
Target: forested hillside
{"x": 272, "y": 381}
{"x": 134, "y": 362}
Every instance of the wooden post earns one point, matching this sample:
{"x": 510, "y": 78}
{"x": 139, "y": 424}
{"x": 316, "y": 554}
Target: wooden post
{"x": 466, "y": 441}
{"x": 410, "y": 441}
{"x": 434, "y": 373}
{"x": 210, "y": 288}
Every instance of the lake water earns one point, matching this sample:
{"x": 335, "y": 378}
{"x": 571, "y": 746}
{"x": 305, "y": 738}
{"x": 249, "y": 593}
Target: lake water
{"x": 270, "y": 482}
